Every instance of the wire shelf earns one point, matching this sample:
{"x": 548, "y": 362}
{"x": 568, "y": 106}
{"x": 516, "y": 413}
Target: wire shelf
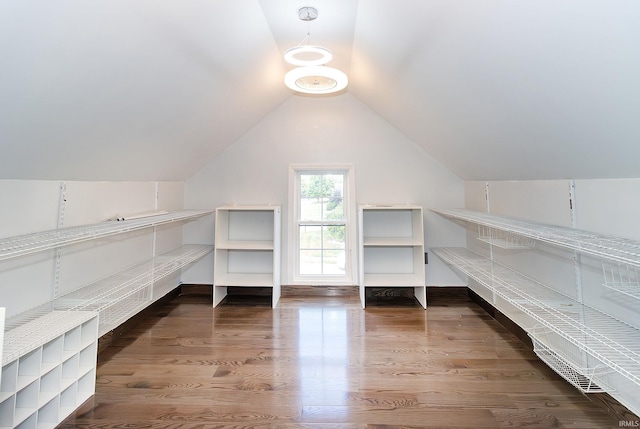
{"x": 118, "y": 297}
{"x": 570, "y": 362}
{"x": 504, "y": 239}
{"x": 604, "y": 246}
{"x": 31, "y": 335}
{"x": 608, "y": 340}
{"x": 22, "y": 245}
{"x": 622, "y": 278}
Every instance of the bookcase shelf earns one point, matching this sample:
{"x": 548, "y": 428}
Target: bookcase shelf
{"x": 247, "y": 249}
{"x": 391, "y": 249}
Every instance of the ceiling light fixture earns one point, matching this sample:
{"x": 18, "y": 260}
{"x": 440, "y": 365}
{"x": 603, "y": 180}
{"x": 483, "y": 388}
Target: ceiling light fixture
{"x": 304, "y": 54}
{"x": 312, "y": 77}
{"x": 316, "y": 80}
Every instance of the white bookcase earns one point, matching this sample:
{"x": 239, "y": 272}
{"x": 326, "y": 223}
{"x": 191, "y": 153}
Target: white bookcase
{"x": 593, "y": 350}
{"x": 391, "y": 249}
{"x": 247, "y": 249}
{"x": 42, "y": 384}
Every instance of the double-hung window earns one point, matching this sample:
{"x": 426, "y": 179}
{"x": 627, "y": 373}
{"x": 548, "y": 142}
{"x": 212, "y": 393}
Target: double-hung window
{"x": 322, "y": 229}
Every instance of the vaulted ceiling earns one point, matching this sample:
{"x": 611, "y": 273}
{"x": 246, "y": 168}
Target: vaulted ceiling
{"x": 151, "y": 90}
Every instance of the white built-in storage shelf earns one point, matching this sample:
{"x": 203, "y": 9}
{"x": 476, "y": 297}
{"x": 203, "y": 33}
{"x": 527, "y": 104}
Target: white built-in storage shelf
{"x": 611, "y": 344}
{"x": 48, "y": 369}
{"x": 120, "y": 296}
{"x": 392, "y": 248}
{"x": 612, "y": 248}
{"x": 22, "y": 245}
{"x": 247, "y": 249}
{"x": 620, "y": 256}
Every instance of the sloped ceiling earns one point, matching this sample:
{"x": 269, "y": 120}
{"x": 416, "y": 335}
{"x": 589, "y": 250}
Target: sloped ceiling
{"x": 152, "y": 90}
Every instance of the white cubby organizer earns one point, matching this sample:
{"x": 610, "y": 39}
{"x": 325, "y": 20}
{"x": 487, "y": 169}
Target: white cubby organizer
{"x": 247, "y": 249}
{"x": 48, "y": 369}
{"x": 391, "y": 249}
{"x": 586, "y": 346}
{"x": 49, "y": 352}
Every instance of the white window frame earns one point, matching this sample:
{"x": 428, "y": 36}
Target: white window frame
{"x": 350, "y": 277}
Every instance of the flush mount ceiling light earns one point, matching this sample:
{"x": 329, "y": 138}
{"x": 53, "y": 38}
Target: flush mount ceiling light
{"x": 312, "y": 77}
{"x": 316, "y": 80}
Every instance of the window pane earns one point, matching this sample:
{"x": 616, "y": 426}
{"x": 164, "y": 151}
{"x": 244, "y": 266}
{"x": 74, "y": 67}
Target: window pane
{"x": 335, "y": 185}
{"x": 333, "y": 209}
{"x": 310, "y": 209}
{"x": 315, "y": 185}
{"x": 310, "y": 262}
{"x": 333, "y": 237}
{"x": 310, "y": 237}
{"x": 333, "y": 262}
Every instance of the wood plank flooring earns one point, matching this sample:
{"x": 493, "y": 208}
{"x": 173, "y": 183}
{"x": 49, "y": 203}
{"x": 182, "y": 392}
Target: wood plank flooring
{"x": 323, "y": 362}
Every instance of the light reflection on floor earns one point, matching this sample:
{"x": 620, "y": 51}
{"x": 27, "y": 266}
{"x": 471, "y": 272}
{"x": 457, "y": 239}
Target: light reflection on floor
{"x": 323, "y": 352}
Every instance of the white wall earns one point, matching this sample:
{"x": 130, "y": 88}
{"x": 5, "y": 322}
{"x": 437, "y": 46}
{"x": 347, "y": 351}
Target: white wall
{"x": 606, "y": 206}
{"x": 31, "y": 206}
{"x": 389, "y": 168}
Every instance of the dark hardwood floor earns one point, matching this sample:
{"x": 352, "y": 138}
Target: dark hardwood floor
{"x": 323, "y": 362}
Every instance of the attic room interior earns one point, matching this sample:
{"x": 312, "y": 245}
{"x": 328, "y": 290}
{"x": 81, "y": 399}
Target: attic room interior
{"x": 319, "y": 214}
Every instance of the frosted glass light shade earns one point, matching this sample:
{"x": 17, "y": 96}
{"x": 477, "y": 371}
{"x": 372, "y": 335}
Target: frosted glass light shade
{"x": 308, "y": 55}
{"x": 316, "y": 80}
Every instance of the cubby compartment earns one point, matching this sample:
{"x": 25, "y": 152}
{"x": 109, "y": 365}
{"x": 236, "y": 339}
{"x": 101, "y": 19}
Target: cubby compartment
{"x": 9, "y": 381}
{"x": 7, "y": 409}
{"x": 69, "y": 399}
{"x": 29, "y": 368}
{"x": 48, "y": 415}
{"x": 26, "y": 403}
{"x": 31, "y": 422}
{"x": 86, "y": 385}
{"x": 52, "y": 354}
{"x": 50, "y": 385}
{"x": 72, "y": 342}
{"x": 391, "y": 249}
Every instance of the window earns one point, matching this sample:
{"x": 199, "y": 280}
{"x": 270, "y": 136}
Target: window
{"x": 322, "y": 233}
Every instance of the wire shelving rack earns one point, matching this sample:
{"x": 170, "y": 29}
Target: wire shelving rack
{"x": 612, "y": 248}
{"x": 606, "y": 340}
{"x": 22, "y": 245}
{"x": 117, "y": 297}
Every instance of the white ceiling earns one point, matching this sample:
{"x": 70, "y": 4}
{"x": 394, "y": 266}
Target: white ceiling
{"x": 151, "y": 90}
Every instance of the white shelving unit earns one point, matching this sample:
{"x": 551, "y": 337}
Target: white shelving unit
{"x": 391, "y": 249}
{"x": 586, "y": 346}
{"x": 247, "y": 249}
{"x": 49, "y": 352}
{"x": 48, "y": 369}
